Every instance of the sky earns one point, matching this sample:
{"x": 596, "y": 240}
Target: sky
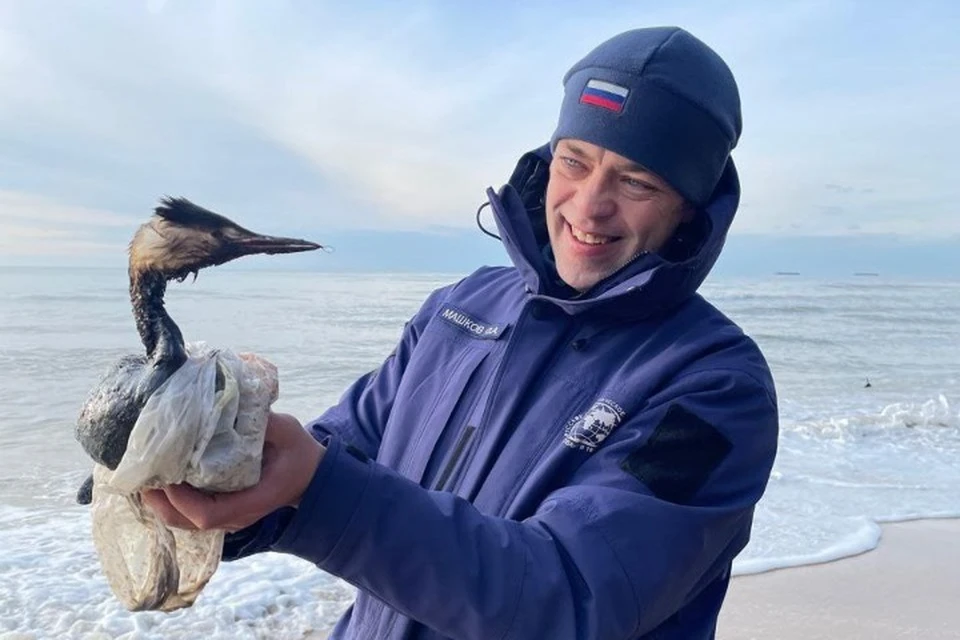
{"x": 376, "y": 127}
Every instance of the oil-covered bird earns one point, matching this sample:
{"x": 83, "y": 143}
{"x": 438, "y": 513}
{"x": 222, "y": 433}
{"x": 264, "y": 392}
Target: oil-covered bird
{"x": 179, "y": 239}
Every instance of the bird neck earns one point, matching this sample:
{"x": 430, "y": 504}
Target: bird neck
{"x": 159, "y": 333}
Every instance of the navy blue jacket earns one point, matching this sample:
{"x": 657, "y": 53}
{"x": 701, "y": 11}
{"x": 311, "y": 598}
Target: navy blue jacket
{"x": 530, "y": 464}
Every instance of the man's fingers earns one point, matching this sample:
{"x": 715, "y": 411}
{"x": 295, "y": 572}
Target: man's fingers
{"x": 185, "y": 507}
{"x": 229, "y": 511}
{"x": 156, "y": 500}
{"x": 201, "y": 509}
{"x": 290, "y": 458}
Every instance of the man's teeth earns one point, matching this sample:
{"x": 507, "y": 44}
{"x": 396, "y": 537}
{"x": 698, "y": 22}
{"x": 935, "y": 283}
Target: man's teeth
{"x": 588, "y": 238}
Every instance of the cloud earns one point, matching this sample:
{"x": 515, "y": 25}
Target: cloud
{"x": 314, "y": 117}
{"x": 839, "y": 188}
{"x": 15, "y": 205}
{"x": 32, "y": 225}
{"x": 401, "y": 127}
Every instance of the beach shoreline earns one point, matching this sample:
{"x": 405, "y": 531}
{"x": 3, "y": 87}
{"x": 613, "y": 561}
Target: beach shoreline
{"x": 907, "y": 587}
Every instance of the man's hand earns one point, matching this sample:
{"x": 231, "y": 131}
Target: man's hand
{"x": 290, "y": 458}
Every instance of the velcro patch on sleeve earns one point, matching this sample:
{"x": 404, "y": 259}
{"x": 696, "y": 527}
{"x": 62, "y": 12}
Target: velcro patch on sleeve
{"x": 679, "y": 456}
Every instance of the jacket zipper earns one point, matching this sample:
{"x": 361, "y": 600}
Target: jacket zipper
{"x": 458, "y": 450}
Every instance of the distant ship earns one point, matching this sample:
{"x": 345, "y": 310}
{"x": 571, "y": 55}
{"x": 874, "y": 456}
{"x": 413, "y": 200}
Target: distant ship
{"x": 866, "y": 273}
{"x": 787, "y": 273}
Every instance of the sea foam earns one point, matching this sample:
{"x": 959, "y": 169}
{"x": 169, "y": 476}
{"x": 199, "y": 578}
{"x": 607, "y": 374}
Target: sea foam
{"x": 52, "y": 587}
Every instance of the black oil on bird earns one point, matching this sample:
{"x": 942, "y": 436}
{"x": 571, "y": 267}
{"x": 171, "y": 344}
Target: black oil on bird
{"x": 180, "y": 239}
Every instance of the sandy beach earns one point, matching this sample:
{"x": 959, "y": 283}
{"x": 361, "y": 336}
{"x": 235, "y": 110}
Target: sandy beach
{"x": 908, "y": 587}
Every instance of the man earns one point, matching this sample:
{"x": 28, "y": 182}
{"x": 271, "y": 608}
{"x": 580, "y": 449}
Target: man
{"x": 569, "y": 448}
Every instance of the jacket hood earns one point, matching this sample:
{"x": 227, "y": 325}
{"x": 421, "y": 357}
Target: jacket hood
{"x": 650, "y": 284}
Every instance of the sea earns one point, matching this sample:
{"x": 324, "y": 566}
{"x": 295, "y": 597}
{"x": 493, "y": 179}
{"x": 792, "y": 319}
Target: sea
{"x": 867, "y": 372}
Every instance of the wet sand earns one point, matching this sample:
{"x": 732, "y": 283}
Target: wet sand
{"x": 908, "y": 587}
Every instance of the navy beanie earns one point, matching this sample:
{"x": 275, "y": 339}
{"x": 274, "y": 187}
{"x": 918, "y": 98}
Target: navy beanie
{"x": 660, "y": 97}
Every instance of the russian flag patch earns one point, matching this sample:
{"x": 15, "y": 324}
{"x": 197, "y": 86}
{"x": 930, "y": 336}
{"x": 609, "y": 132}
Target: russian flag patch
{"x": 604, "y": 94}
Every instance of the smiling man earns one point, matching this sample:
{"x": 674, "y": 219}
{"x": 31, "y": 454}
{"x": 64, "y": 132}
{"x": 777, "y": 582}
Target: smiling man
{"x": 570, "y": 448}
{"x": 604, "y": 210}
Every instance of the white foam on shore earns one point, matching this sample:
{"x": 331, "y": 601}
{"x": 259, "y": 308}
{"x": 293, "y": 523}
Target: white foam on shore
{"x": 52, "y": 587}
{"x": 864, "y": 539}
{"x": 836, "y": 479}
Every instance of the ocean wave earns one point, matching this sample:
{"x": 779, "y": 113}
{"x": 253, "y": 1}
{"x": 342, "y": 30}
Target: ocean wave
{"x": 52, "y": 586}
{"x": 863, "y": 536}
{"x": 933, "y": 414}
{"x": 860, "y": 535}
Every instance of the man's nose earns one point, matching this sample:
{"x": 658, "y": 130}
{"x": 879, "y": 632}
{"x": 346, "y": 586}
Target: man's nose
{"x": 596, "y": 196}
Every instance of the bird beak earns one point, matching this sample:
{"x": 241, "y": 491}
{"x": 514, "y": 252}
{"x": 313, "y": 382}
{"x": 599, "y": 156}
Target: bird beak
{"x": 255, "y": 243}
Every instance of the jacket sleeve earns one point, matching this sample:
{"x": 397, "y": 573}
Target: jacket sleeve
{"x": 357, "y": 420}
{"x": 613, "y": 555}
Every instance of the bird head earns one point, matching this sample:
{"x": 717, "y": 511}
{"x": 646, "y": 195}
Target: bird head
{"x": 181, "y": 238}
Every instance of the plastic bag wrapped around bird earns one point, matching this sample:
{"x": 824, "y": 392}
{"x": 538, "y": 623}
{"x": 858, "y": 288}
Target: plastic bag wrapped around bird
{"x": 205, "y": 427}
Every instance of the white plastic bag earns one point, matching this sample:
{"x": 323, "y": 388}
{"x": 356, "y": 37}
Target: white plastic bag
{"x": 204, "y": 426}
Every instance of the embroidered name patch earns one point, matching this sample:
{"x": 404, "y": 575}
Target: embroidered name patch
{"x": 587, "y": 430}
{"x": 604, "y": 94}
{"x": 476, "y": 328}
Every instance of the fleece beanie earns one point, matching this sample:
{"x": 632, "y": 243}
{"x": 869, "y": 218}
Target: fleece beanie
{"x": 660, "y": 97}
